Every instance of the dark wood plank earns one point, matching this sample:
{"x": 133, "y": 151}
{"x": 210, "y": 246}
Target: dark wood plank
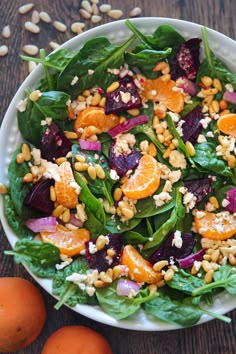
{"x": 213, "y": 337}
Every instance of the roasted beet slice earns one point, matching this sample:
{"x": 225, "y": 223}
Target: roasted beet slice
{"x": 199, "y": 187}
{"x": 170, "y": 252}
{"x": 99, "y": 259}
{"x": 186, "y": 62}
{"x": 39, "y": 196}
{"x": 54, "y": 143}
{"x": 123, "y": 162}
{"x": 192, "y": 126}
{"x": 124, "y": 98}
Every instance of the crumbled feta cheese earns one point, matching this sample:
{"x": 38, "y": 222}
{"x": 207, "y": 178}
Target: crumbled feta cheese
{"x": 177, "y": 160}
{"x": 65, "y": 262}
{"x": 76, "y": 187}
{"x": 90, "y": 71}
{"x": 210, "y": 134}
{"x": 113, "y": 174}
{"x": 74, "y": 81}
{"x": 36, "y": 154}
{"x": 51, "y": 170}
{"x": 205, "y": 122}
{"x": 124, "y": 143}
{"x": 201, "y": 139}
{"x": 92, "y": 248}
{"x": 22, "y": 105}
{"x": 225, "y": 203}
{"x": 229, "y": 87}
{"x": 125, "y": 96}
{"x": 46, "y": 121}
{"x": 80, "y": 212}
{"x": 161, "y": 198}
{"x": 177, "y": 239}
{"x": 197, "y": 265}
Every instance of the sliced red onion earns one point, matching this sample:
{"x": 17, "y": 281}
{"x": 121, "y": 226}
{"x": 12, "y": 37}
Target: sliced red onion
{"x": 47, "y": 224}
{"x": 231, "y": 197}
{"x": 126, "y": 287}
{"x": 230, "y": 96}
{"x": 189, "y": 260}
{"x": 187, "y": 85}
{"x": 129, "y": 124}
{"x": 90, "y": 145}
{"x": 74, "y": 221}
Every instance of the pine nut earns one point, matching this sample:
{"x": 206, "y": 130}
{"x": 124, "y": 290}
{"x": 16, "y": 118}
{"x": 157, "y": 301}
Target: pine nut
{"x": 80, "y": 158}
{"x": 166, "y": 70}
{"x": 190, "y": 148}
{"x": 26, "y": 152}
{"x": 44, "y": 16}
{"x": 34, "y": 170}
{"x": 96, "y": 19}
{"x": 117, "y": 194}
{"x": 111, "y": 252}
{"x": 66, "y": 216}
{"x": 31, "y": 66}
{"x": 53, "y": 196}
{"x": 95, "y": 9}
{"x": 20, "y": 158}
{"x": 152, "y": 150}
{"x": 109, "y": 272}
{"x": 160, "y": 284}
{"x": 34, "y": 96}
{"x": 25, "y": 8}
{"x": 116, "y": 272}
{"x": 165, "y": 77}
{"x": 58, "y": 211}
{"x": 102, "y": 102}
{"x": 59, "y": 26}
{"x": 207, "y": 81}
{"x": 122, "y": 119}
{"x": 207, "y": 100}
{"x": 3, "y": 50}
{"x": 128, "y": 214}
{"x": 217, "y": 84}
{"x": 92, "y": 172}
{"x": 3, "y": 189}
{"x": 32, "y": 27}
{"x": 152, "y": 289}
{"x": 99, "y": 284}
{"x": 214, "y": 202}
{"x": 100, "y": 242}
{"x": 115, "y": 14}
{"x": 96, "y": 99}
{"x": 158, "y": 266}
{"x": 209, "y": 276}
{"x": 215, "y": 106}
{"x": 71, "y": 135}
{"x": 86, "y": 5}
{"x": 136, "y": 11}
{"x": 81, "y": 166}
{"x": 207, "y": 257}
{"x": 62, "y": 227}
{"x": 133, "y": 112}
{"x": 86, "y": 93}
{"x": 104, "y": 277}
{"x": 232, "y": 259}
{"x": 223, "y": 104}
{"x": 224, "y": 112}
{"x": 77, "y": 27}
{"x": 30, "y": 49}
{"x": 155, "y": 122}
{"x": 84, "y": 14}
{"x": 35, "y": 17}
{"x": 160, "y": 66}
{"x": 206, "y": 265}
{"x": 167, "y": 153}
{"x": 211, "y": 91}
{"x": 6, "y": 32}
{"x": 54, "y": 45}
{"x": 231, "y": 161}
{"x": 114, "y": 86}
{"x": 100, "y": 172}
{"x": 60, "y": 160}
{"x": 169, "y": 275}
{"x": 105, "y": 8}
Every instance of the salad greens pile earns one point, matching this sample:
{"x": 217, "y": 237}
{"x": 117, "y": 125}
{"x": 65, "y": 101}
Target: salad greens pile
{"x": 164, "y": 241}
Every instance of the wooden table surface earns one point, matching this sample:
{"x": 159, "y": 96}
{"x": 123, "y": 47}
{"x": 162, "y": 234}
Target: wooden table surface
{"x": 213, "y": 337}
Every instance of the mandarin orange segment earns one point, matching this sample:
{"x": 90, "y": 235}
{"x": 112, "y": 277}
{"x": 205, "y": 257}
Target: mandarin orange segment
{"x": 65, "y": 193}
{"x": 227, "y": 124}
{"x": 145, "y": 180}
{"x": 215, "y": 226}
{"x": 140, "y": 269}
{"x": 96, "y": 117}
{"x": 163, "y": 92}
{"x": 69, "y": 242}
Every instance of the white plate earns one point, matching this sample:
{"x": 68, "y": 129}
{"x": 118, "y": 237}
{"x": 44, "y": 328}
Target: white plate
{"x": 117, "y": 32}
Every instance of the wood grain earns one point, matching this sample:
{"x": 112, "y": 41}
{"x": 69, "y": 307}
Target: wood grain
{"x": 213, "y": 337}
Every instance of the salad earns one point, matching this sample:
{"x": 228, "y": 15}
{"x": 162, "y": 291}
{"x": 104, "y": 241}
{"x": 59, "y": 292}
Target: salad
{"x": 124, "y": 190}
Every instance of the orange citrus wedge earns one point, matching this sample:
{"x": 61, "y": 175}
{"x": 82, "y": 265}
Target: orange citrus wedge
{"x": 69, "y": 242}
{"x": 145, "y": 180}
{"x": 96, "y": 116}
{"x": 162, "y": 91}
{"x": 65, "y": 193}
{"x": 219, "y": 226}
{"x": 227, "y": 124}
{"x": 140, "y": 269}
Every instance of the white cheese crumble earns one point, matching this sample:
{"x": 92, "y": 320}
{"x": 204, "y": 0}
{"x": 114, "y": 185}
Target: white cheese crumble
{"x": 177, "y": 159}
{"x": 74, "y": 81}
{"x": 51, "y": 170}
{"x": 161, "y": 198}
{"x": 22, "y": 105}
{"x": 201, "y": 139}
{"x": 90, "y": 71}
{"x": 114, "y": 176}
{"x": 177, "y": 239}
{"x": 124, "y": 143}
{"x": 46, "y": 121}
{"x": 65, "y": 262}
{"x": 76, "y": 187}
{"x": 80, "y": 212}
{"x": 36, "y": 154}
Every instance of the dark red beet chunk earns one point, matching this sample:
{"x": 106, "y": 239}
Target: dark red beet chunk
{"x": 192, "y": 126}
{"x": 172, "y": 253}
{"x": 100, "y": 260}
{"x": 114, "y": 101}
{"x": 199, "y": 187}
{"x": 123, "y": 163}
{"x": 186, "y": 62}
{"x": 54, "y": 143}
{"x": 39, "y": 197}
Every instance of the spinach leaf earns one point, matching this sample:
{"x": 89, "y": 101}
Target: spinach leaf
{"x": 98, "y": 54}
{"x": 94, "y": 225}
{"x": 185, "y": 282}
{"x": 160, "y": 219}
{"x": 92, "y": 203}
{"x": 14, "y": 220}
{"x": 174, "y": 132}
{"x": 120, "y": 307}
{"x": 225, "y": 278}
{"x": 115, "y": 226}
{"x": 18, "y": 189}
{"x": 134, "y": 238}
{"x": 176, "y": 215}
{"x": 70, "y": 293}
{"x": 40, "y": 257}
{"x": 179, "y": 312}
